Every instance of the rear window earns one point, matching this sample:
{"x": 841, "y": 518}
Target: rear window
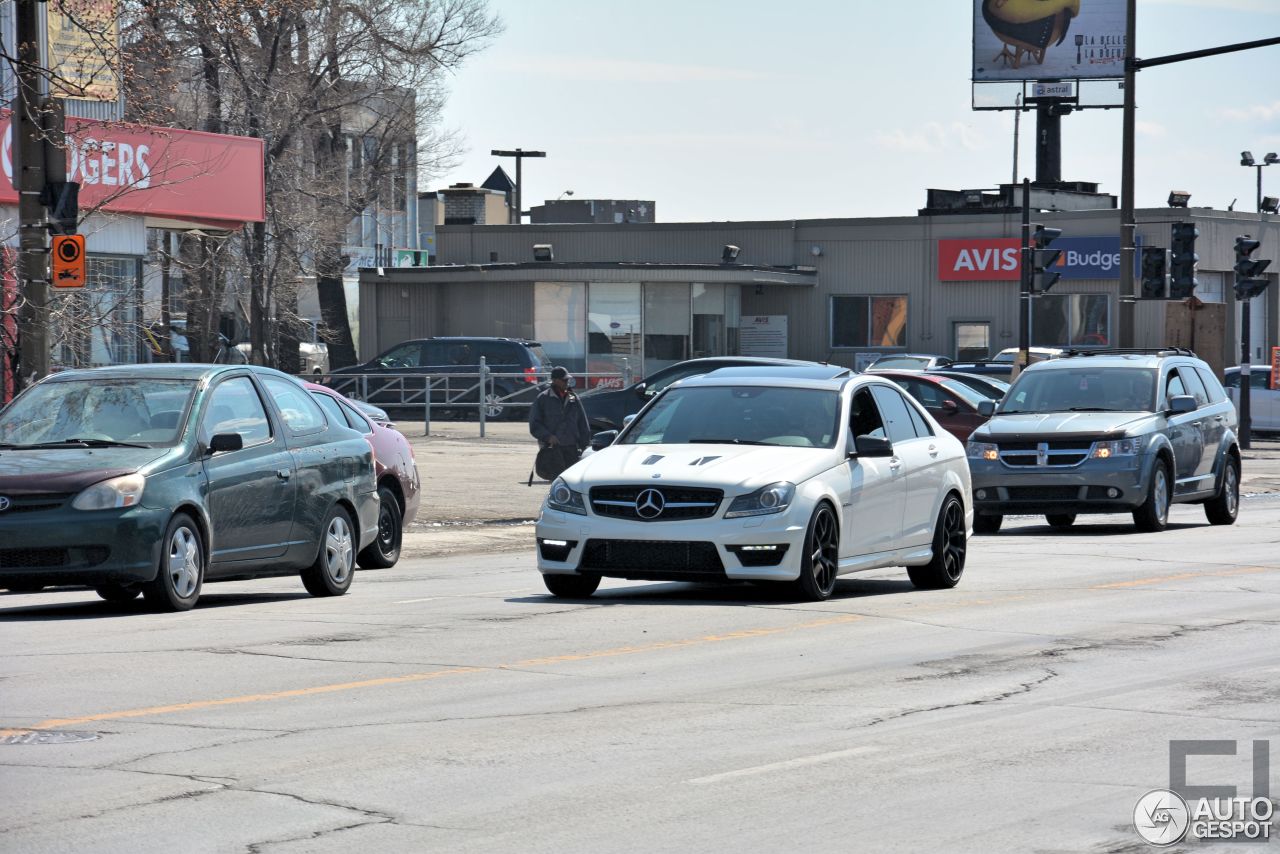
{"x": 1211, "y": 385}
{"x": 541, "y": 356}
{"x": 901, "y": 362}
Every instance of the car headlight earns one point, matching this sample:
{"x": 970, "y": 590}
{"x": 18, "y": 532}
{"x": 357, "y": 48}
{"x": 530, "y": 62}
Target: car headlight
{"x": 112, "y": 494}
{"x": 564, "y": 499}
{"x": 1117, "y": 448}
{"x": 773, "y": 498}
{"x": 982, "y": 451}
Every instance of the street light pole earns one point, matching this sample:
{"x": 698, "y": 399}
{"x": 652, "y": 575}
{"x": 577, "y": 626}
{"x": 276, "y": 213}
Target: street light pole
{"x": 519, "y": 154}
{"x": 1127, "y": 296}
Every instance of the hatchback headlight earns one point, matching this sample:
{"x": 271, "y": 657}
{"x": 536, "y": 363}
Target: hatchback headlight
{"x": 773, "y": 498}
{"x": 564, "y": 499}
{"x": 1117, "y": 448}
{"x": 982, "y": 451}
{"x": 112, "y": 494}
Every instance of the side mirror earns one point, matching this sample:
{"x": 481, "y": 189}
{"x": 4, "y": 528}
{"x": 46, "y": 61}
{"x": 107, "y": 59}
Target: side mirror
{"x": 950, "y": 407}
{"x": 872, "y": 446}
{"x": 224, "y": 442}
{"x": 986, "y": 408}
{"x": 602, "y": 440}
{"x": 1180, "y": 404}
{"x": 642, "y": 389}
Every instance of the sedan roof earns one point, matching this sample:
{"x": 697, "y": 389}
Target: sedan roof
{"x": 822, "y": 375}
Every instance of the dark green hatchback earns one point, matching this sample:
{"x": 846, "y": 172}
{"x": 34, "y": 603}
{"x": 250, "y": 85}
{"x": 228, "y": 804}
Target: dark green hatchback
{"x": 153, "y": 479}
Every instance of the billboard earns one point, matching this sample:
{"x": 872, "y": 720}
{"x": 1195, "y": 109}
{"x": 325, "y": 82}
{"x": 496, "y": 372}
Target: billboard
{"x": 1048, "y": 39}
{"x": 997, "y": 259}
{"x": 82, "y": 49}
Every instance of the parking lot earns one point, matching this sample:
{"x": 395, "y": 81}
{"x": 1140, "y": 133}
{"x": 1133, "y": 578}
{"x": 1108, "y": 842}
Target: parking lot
{"x": 450, "y": 704}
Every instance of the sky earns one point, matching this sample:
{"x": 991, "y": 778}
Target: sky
{"x": 752, "y": 110}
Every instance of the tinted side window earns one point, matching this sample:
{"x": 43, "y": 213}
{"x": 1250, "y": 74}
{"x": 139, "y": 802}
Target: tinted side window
{"x": 500, "y": 353}
{"x": 234, "y": 407}
{"x": 917, "y": 421}
{"x": 300, "y": 412}
{"x": 405, "y": 356}
{"x": 1173, "y": 386}
{"x": 355, "y": 420}
{"x": 893, "y": 409}
{"x": 864, "y": 417}
{"x": 1260, "y": 378}
{"x": 1211, "y": 385}
{"x": 1194, "y": 387}
{"x": 330, "y": 407}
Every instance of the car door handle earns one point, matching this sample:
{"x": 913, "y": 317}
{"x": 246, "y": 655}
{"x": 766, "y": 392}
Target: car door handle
{"x": 895, "y": 463}
{"x": 933, "y": 450}
{"x": 284, "y": 474}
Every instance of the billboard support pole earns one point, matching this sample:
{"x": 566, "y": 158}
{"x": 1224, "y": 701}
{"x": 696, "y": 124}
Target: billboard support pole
{"x": 1024, "y": 280}
{"x": 1127, "y": 305}
{"x": 29, "y": 179}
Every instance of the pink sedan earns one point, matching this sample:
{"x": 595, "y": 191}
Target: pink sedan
{"x": 399, "y": 488}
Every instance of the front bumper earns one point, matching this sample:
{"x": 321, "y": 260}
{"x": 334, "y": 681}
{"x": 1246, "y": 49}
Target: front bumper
{"x": 1095, "y": 486}
{"x": 82, "y": 547}
{"x": 687, "y": 550}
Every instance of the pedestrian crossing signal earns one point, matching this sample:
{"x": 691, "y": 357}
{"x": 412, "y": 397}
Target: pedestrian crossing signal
{"x": 68, "y": 261}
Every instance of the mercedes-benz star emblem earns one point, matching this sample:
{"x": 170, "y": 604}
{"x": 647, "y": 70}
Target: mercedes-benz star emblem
{"x": 4, "y": 503}
{"x": 649, "y": 504}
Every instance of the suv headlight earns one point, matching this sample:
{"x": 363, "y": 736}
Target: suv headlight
{"x": 982, "y": 451}
{"x": 564, "y": 499}
{"x": 773, "y": 498}
{"x": 112, "y": 494}
{"x": 1117, "y": 448}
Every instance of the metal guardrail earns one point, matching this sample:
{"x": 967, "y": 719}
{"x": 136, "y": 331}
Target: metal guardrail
{"x": 438, "y": 387}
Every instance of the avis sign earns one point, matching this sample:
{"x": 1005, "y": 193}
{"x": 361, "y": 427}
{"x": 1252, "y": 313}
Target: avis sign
{"x": 997, "y": 259}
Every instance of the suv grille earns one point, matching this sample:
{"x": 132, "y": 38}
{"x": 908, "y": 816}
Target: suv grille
{"x": 650, "y": 557}
{"x": 656, "y": 503}
{"x": 1061, "y": 453}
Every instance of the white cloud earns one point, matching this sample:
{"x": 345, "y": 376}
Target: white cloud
{"x": 931, "y": 138}
{"x": 626, "y": 70}
{"x": 1258, "y": 112}
{"x": 1151, "y": 129}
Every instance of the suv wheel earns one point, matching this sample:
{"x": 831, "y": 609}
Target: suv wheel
{"x": 986, "y": 524}
{"x": 1153, "y": 515}
{"x": 1223, "y": 508}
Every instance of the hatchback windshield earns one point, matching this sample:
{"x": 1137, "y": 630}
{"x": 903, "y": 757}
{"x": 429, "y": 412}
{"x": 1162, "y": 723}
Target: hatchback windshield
{"x": 146, "y": 412}
{"x": 746, "y": 415}
{"x": 1083, "y": 390}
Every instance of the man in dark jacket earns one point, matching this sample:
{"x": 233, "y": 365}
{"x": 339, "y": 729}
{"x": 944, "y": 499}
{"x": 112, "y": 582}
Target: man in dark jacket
{"x": 558, "y": 421}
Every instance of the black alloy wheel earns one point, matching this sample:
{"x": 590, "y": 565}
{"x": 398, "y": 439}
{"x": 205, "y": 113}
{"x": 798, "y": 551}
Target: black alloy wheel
{"x": 384, "y": 552}
{"x": 821, "y": 561}
{"x": 986, "y": 524}
{"x": 950, "y": 546}
{"x": 571, "y": 586}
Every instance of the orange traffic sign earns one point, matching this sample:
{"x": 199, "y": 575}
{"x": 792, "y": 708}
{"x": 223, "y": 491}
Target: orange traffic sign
{"x": 68, "y": 261}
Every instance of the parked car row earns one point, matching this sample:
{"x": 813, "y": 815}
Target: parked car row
{"x": 153, "y": 479}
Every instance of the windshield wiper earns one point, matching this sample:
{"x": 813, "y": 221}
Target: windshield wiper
{"x": 1090, "y": 409}
{"x": 725, "y": 442}
{"x": 86, "y": 443}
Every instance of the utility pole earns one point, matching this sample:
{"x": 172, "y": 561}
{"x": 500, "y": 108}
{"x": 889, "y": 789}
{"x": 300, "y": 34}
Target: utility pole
{"x": 519, "y": 154}
{"x": 29, "y": 135}
{"x": 1127, "y": 308}
{"x": 1024, "y": 278}
{"x": 1017, "y": 123}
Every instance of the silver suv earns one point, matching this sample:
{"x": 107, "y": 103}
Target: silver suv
{"x": 1108, "y": 432}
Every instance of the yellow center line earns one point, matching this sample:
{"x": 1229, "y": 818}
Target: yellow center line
{"x": 657, "y": 646}
{"x": 1182, "y": 576}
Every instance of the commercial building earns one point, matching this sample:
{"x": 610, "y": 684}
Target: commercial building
{"x": 837, "y": 290}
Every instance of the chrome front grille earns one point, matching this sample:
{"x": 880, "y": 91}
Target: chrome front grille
{"x": 655, "y": 503}
{"x": 1062, "y": 453}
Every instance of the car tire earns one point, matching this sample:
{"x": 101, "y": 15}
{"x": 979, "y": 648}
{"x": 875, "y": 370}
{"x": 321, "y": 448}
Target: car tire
{"x": 18, "y": 587}
{"x": 1061, "y": 520}
{"x": 987, "y": 524}
{"x": 1153, "y": 515}
{"x": 571, "y": 586}
{"x": 820, "y": 562}
{"x": 950, "y": 545}
{"x": 180, "y": 574}
{"x": 117, "y": 593}
{"x": 335, "y": 563}
{"x": 384, "y": 552}
{"x": 1224, "y": 507}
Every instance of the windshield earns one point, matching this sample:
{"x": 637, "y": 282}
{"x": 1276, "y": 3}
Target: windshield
{"x": 901, "y": 362}
{"x": 748, "y": 415}
{"x": 145, "y": 412}
{"x": 962, "y": 391}
{"x": 1083, "y": 389}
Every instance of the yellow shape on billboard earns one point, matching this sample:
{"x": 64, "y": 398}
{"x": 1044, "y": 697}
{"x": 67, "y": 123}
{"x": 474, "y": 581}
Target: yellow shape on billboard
{"x": 83, "y": 49}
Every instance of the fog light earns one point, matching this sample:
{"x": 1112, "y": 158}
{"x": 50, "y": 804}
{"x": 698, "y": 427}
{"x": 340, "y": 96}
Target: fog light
{"x": 758, "y": 548}
{"x": 981, "y": 495}
{"x": 1113, "y": 493}
{"x": 555, "y": 543}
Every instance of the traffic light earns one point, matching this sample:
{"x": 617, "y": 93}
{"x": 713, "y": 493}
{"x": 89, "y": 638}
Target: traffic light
{"x": 1153, "y": 272}
{"x": 1182, "y": 260}
{"x": 1044, "y": 258}
{"x": 1249, "y": 279}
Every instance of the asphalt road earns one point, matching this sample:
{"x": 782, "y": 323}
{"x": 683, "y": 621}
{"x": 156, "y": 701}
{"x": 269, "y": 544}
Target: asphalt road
{"x": 449, "y": 705}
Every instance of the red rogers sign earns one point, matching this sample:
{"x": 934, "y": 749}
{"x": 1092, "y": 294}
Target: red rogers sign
{"x": 164, "y": 173}
{"x": 992, "y": 259}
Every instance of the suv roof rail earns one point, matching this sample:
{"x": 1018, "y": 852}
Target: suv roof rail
{"x": 1130, "y": 351}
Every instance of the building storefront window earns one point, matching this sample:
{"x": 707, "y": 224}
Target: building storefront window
{"x": 99, "y": 324}
{"x": 867, "y": 321}
{"x": 560, "y": 322}
{"x": 1071, "y": 320}
{"x": 666, "y": 324}
{"x": 973, "y": 340}
{"x": 614, "y": 327}
{"x": 717, "y": 311}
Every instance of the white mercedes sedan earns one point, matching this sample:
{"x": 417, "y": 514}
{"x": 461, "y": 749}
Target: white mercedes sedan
{"x": 794, "y": 475}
